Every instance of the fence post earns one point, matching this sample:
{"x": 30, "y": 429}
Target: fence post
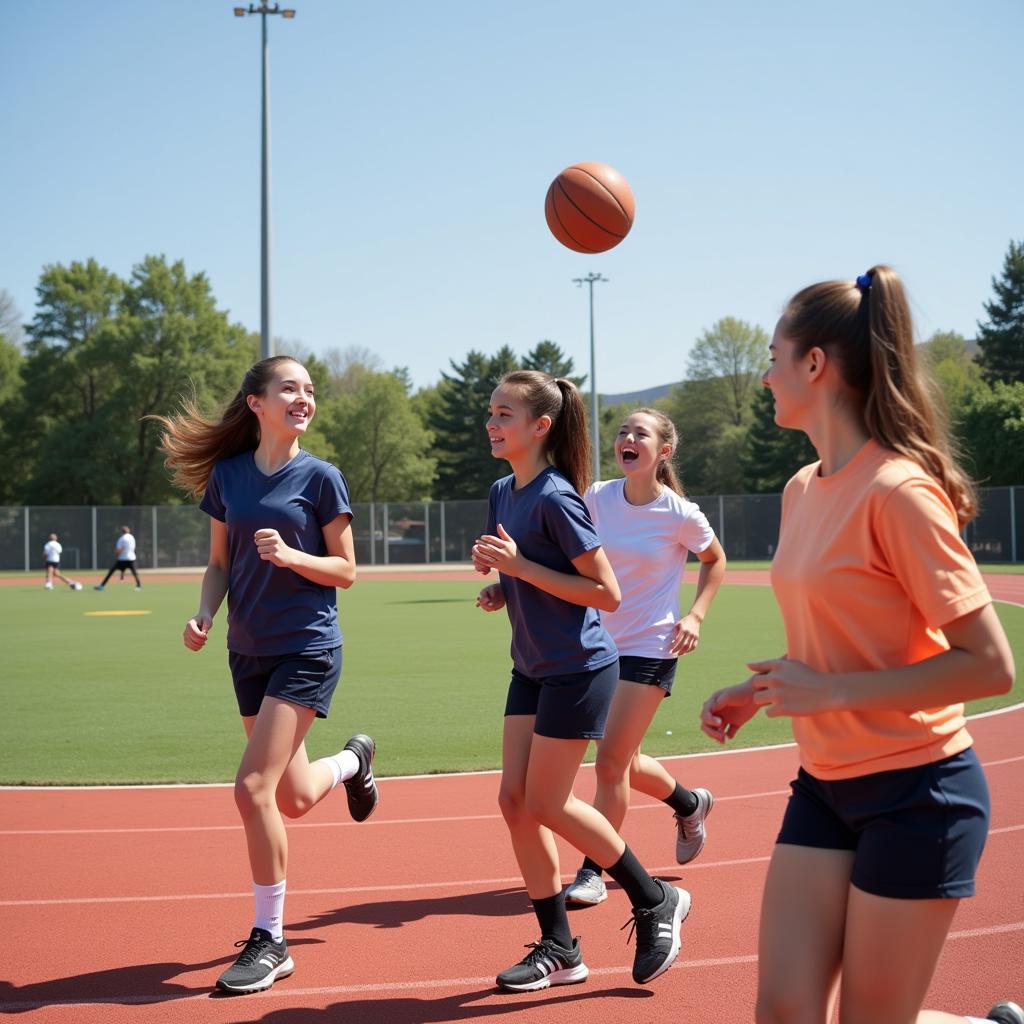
{"x": 1013, "y": 524}
{"x": 373, "y": 534}
{"x": 28, "y": 555}
{"x": 156, "y": 543}
{"x": 385, "y": 532}
{"x": 95, "y": 564}
{"x": 721, "y": 520}
{"x": 426, "y": 531}
{"x": 444, "y": 546}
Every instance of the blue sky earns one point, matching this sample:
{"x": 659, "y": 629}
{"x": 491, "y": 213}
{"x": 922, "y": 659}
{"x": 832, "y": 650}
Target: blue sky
{"x": 768, "y": 145}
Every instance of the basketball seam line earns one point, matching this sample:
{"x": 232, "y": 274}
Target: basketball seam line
{"x": 608, "y": 190}
{"x": 586, "y": 216}
{"x": 554, "y": 213}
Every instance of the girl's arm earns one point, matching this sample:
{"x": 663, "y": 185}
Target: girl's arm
{"x": 978, "y": 664}
{"x": 215, "y": 586}
{"x": 594, "y": 587}
{"x": 335, "y": 569}
{"x": 686, "y": 634}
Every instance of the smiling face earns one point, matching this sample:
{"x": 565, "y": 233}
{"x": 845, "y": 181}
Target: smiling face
{"x": 287, "y": 405}
{"x": 787, "y": 380}
{"x": 512, "y": 431}
{"x": 639, "y": 447}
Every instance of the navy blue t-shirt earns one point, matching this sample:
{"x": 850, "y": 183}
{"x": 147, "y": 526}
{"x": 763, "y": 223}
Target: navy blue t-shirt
{"x": 551, "y": 526}
{"x": 272, "y": 610}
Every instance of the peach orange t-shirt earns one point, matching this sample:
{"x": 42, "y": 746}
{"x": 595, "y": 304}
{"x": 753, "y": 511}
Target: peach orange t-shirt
{"x": 870, "y": 567}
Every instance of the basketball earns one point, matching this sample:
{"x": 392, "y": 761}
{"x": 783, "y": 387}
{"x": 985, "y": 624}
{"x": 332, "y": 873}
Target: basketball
{"x": 589, "y": 207}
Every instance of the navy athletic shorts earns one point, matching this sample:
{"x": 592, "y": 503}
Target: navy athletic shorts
{"x": 658, "y": 672}
{"x": 308, "y": 679}
{"x": 917, "y": 832}
{"x": 568, "y": 707}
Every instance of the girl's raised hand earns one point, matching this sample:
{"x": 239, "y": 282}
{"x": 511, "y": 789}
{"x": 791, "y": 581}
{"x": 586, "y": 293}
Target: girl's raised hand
{"x": 491, "y": 598}
{"x": 783, "y": 686}
{"x": 685, "y": 635}
{"x": 196, "y": 631}
{"x": 501, "y": 553}
{"x": 272, "y": 549}
{"x": 726, "y": 711}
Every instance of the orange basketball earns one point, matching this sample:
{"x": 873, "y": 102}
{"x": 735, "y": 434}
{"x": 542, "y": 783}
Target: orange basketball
{"x": 589, "y": 207}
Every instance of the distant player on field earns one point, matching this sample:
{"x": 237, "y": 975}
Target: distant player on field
{"x": 51, "y": 553}
{"x": 125, "y": 553}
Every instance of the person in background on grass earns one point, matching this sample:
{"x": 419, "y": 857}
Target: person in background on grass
{"x": 124, "y": 551}
{"x": 554, "y": 577}
{"x": 647, "y": 528}
{"x": 51, "y": 553}
{"x": 280, "y": 543}
{"x": 890, "y": 628}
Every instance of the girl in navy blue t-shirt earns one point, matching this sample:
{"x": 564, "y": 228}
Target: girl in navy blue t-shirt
{"x": 280, "y": 543}
{"x": 554, "y": 577}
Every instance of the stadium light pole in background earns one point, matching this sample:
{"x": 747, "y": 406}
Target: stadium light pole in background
{"x": 594, "y": 422}
{"x": 266, "y": 341}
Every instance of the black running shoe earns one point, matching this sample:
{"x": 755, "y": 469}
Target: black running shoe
{"x": 1006, "y": 1013}
{"x": 362, "y": 787}
{"x": 546, "y": 964}
{"x": 657, "y": 933}
{"x": 258, "y": 966}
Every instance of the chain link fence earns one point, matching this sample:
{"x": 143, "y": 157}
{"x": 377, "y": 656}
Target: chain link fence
{"x": 403, "y": 533}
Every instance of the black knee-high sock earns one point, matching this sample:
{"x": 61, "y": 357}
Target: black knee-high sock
{"x": 682, "y": 801}
{"x": 641, "y": 889}
{"x": 553, "y": 920}
{"x": 591, "y": 865}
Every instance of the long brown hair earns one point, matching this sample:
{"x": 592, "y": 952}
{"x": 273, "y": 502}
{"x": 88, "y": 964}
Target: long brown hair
{"x": 667, "y": 434}
{"x": 568, "y": 441}
{"x": 865, "y": 326}
{"x": 193, "y": 442}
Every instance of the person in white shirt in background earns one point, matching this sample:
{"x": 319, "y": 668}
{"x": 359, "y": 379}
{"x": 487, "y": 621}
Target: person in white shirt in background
{"x": 125, "y": 552}
{"x": 647, "y": 528}
{"x": 52, "y": 552}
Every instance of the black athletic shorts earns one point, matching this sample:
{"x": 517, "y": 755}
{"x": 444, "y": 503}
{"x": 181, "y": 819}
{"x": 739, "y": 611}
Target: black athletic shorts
{"x": 568, "y": 707}
{"x": 308, "y": 680}
{"x": 660, "y": 672}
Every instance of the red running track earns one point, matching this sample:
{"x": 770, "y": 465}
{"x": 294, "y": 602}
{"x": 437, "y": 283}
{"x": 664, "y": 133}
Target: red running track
{"x": 121, "y": 905}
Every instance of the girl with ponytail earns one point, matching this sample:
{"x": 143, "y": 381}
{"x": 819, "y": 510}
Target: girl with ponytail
{"x": 647, "y": 528}
{"x": 554, "y": 578}
{"x": 890, "y": 629}
{"x": 280, "y": 543}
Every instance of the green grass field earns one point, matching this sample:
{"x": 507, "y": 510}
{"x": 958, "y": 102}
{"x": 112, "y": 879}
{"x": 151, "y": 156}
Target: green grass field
{"x": 92, "y": 699}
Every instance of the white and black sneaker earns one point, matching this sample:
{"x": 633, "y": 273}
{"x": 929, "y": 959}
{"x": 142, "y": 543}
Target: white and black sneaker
{"x": 546, "y": 964}
{"x": 587, "y": 889}
{"x": 258, "y": 966}
{"x": 1006, "y": 1013}
{"x": 690, "y": 832}
{"x": 657, "y": 933}
{"x": 361, "y": 789}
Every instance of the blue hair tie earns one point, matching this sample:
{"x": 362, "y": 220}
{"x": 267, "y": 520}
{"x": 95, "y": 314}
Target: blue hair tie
{"x": 864, "y": 282}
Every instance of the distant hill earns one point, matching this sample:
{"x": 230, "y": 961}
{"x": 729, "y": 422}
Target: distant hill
{"x": 645, "y": 397}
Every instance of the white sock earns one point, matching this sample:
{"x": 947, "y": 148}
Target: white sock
{"x": 977, "y": 1020}
{"x": 270, "y": 908}
{"x": 343, "y": 765}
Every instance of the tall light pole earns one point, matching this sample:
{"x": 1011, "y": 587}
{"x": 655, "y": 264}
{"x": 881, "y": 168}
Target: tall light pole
{"x": 263, "y": 9}
{"x": 594, "y": 422}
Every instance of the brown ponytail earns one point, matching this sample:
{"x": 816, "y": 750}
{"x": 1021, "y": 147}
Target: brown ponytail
{"x": 568, "y": 440}
{"x": 866, "y": 327}
{"x": 193, "y": 442}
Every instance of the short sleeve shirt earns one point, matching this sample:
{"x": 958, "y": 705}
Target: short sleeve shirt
{"x": 273, "y": 610}
{"x": 870, "y": 567}
{"x": 551, "y": 526}
{"x": 125, "y": 547}
{"x": 52, "y": 550}
{"x": 647, "y": 546}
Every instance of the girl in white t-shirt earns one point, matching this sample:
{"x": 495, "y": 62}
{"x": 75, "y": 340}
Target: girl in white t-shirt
{"x": 52, "y": 552}
{"x": 647, "y": 528}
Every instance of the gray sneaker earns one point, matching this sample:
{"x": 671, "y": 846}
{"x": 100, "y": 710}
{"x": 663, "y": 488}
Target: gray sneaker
{"x": 690, "y": 831}
{"x": 587, "y": 889}
{"x": 1006, "y": 1013}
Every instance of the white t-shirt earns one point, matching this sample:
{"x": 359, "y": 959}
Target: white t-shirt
{"x": 647, "y": 546}
{"x": 125, "y": 548}
{"x": 52, "y": 550}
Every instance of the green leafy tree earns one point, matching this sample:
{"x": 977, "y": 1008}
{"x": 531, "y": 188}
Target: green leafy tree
{"x": 11, "y": 361}
{"x": 991, "y": 429}
{"x": 947, "y": 358}
{"x": 730, "y": 358}
{"x": 465, "y": 466}
{"x": 771, "y": 454}
{"x": 701, "y": 421}
{"x": 1001, "y": 339}
{"x": 379, "y": 442}
{"x": 11, "y": 326}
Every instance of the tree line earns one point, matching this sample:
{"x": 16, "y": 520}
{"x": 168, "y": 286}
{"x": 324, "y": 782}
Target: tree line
{"x": 102, "y": 353}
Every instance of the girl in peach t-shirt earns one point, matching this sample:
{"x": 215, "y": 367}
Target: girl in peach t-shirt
{"x": 889, "y": 629}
